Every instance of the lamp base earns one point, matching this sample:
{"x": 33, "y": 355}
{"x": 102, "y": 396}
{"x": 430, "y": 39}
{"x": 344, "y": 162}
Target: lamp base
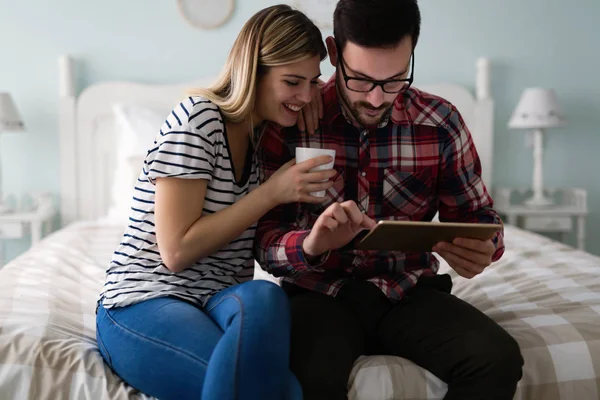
{"x": 539, "y": 201}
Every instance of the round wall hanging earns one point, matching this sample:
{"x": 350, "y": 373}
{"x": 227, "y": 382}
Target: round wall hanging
{"x": 206, "y": 14}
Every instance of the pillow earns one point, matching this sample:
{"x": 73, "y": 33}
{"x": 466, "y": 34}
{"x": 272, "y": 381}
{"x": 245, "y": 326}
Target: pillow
{"x": 136, "y": 128}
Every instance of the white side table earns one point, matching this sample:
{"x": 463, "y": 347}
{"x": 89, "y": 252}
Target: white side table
{"x": 570, "y": 206}
{"x": 19, "y": 224}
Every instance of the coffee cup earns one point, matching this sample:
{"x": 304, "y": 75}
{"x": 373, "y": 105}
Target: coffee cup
{"x": 306, "y": 153}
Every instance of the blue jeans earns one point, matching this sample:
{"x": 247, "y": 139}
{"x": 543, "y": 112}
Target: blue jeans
{"x": 237, "y": 347}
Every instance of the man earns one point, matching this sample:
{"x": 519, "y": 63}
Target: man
{"x": 402, "y": 154}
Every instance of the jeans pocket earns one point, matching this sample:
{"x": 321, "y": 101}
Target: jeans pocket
{"x": 102, "y": 347}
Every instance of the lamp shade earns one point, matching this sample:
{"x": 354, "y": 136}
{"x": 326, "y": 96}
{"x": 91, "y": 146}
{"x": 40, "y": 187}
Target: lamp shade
{"x": 10, "y": 120}
{"x": 537, "y": 108}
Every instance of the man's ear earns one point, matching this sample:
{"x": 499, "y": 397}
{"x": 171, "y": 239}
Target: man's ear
{"x": 332, "y": 50}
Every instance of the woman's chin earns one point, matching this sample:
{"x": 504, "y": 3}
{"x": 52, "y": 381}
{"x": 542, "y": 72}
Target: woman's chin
{"x": 286, "y": 121}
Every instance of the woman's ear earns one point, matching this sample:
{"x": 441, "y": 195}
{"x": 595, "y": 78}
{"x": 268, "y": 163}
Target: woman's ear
{"x": 332, "y": 50}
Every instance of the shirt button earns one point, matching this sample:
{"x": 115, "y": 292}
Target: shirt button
{"x": 364, "y": 174}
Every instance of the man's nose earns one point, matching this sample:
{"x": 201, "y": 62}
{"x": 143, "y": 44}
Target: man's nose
{"x": 376, "y": 97}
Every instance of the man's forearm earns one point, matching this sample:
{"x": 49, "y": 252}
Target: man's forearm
{"x": 279, "y": 246}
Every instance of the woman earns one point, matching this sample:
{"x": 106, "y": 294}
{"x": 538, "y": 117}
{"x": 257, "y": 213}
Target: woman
{"x": 179, "y": 316}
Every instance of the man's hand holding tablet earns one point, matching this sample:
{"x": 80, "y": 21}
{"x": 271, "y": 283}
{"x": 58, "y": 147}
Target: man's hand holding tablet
{"x": 467, "y": 247}
{"x": 468, "y": 257}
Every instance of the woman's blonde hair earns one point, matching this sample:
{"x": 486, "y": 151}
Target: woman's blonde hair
{"x": 274, "y": 36}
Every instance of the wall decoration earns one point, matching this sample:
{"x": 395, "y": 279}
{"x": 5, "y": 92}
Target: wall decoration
{"x": 206, "y": 14}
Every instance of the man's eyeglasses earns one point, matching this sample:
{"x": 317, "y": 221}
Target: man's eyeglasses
{"x": 364, "y": 85}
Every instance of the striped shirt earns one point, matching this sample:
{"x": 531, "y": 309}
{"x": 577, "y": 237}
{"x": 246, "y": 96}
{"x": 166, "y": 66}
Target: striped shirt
{"x": 420, "y": 160}
{"x": 192, "y": 144}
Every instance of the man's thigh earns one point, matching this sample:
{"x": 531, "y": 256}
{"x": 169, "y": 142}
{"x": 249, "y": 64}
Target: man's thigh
{"x": 326, "y": 341}
{"x": 445, "y": 335}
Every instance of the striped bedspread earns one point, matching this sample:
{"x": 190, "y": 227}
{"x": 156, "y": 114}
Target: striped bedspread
{"x": 545, "y": 294}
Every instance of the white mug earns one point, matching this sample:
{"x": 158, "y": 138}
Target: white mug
{"x": 306, "y": 153}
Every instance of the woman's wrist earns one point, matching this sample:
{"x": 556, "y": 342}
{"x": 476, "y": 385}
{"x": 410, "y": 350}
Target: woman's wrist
{"x": 267, "y": 194}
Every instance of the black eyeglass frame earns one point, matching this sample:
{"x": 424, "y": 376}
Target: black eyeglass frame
{"x": 375, "y": 82}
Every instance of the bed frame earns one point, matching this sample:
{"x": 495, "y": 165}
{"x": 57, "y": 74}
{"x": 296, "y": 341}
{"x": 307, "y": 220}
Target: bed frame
{"x": 86, "y": 130}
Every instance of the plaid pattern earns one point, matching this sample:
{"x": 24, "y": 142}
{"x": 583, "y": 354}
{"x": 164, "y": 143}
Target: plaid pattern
{"x": 418, "y": 161}
{"x": 545, "y": 294}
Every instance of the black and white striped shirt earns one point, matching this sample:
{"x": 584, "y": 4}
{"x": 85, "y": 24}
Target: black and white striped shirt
{"x": 192, "y": 144}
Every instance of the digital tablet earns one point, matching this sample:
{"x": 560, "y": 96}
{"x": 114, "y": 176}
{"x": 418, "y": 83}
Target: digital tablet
{"x": 414, "y": 236}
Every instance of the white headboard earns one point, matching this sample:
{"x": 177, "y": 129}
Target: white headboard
{"x": 86, "y": 130}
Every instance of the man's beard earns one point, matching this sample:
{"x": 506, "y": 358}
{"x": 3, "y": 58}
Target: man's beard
{"x": 356, "y": 107}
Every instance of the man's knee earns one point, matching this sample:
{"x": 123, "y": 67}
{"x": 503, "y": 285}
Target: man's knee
{"x": 510, "y": 359}
{"x": 500, "y": 358}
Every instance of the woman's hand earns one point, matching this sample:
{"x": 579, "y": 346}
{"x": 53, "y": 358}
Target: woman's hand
{"x": 294, "y": 182}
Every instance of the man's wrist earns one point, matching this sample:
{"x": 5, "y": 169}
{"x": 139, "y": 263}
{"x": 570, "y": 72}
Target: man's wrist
{"x": 311, "y": 257}
{"x": 317, "y": 261}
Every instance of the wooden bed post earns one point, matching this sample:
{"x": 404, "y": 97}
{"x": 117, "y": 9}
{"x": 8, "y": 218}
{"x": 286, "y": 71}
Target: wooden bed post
{"x": 67, "y": 140}
{"x": 484, "y": 110}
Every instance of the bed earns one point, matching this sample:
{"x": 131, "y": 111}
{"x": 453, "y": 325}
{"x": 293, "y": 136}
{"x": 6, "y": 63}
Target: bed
{"x": 544, "y": 293}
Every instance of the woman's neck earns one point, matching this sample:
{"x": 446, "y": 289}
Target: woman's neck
{"x": 244, "y": 128}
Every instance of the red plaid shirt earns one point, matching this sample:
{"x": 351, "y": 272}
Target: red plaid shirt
{"x": 417, "y": 162}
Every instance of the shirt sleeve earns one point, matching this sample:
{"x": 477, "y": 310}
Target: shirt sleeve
{"x": 185, "y": 145}
{"x": 281, "y": 232}
{"x": 462, "y": 193}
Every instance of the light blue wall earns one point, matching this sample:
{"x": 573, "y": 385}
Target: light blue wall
{"x": 552, "y": 43}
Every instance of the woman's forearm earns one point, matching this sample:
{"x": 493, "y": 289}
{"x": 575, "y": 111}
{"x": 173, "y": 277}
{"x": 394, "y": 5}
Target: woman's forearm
{"x": 211, "y": 233}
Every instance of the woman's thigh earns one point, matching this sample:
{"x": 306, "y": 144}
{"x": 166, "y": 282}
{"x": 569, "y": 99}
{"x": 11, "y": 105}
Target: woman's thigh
{"x": 161, "y": 347}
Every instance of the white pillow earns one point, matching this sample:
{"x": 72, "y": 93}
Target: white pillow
{"x": 136, "y": 128}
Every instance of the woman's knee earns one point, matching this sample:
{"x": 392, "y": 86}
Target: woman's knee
{"x": 262, "y": 293}
{"x": 264, "y": 303}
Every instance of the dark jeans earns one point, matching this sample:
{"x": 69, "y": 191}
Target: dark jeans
{"x": 431, "y": 327}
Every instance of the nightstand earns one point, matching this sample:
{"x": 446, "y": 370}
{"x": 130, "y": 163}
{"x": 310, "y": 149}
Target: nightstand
{"x": 570, "y": 208}
{"x": 35, "y": 222}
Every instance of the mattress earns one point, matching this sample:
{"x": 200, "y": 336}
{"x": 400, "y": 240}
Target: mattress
{"x": 545, "y": 294}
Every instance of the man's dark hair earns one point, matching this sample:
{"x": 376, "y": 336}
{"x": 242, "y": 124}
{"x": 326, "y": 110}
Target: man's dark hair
{"x": 376, "y": 23}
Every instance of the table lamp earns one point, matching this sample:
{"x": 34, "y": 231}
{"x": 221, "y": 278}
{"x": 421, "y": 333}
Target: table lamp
{"x": 537, "y": 109}
{"x": 10, "y": 121}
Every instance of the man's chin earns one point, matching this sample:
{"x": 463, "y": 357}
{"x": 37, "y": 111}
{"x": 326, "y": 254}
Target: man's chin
{"x": 368, "y": 120}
